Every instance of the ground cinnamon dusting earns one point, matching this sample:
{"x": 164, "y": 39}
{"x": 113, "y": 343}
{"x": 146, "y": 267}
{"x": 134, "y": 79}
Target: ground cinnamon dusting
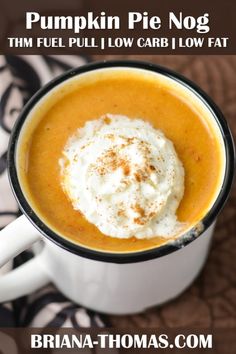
{"x": 121, "y": 212}
{"x": 139, "y": 221}
{"x": 137, "y": 177}
{"x": 139, "y": 210}
{"x": 110, "y": 161}
{"x": 107, "y": 120}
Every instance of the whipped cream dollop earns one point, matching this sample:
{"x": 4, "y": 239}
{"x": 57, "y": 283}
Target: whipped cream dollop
{"x": 124, "y": 176}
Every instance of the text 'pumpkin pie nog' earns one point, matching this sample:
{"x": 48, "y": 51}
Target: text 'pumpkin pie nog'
{"x": 121, "y": 160}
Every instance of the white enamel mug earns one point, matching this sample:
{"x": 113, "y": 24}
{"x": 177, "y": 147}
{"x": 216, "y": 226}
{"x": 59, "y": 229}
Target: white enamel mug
{"x": 111, "y": 283}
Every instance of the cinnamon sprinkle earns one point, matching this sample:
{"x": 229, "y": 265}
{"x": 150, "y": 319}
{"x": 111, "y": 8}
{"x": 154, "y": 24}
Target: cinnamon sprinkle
{"x": 139, "y": 210}
{"x": 107, "y": 120}
{"x": 110, "y": 161}
{"x": 139, "y": 221}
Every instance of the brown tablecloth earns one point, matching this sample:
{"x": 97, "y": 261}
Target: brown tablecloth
{"x": 211, "y": 300}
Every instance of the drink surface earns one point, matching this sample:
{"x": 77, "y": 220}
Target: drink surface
{"x": 125, "y": 177}
{"x": 136, "y": 94}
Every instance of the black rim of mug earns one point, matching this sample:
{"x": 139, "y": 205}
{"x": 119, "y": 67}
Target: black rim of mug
{"x": 130, "y": 257}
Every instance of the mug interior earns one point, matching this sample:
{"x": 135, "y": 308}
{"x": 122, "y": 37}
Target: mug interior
{"x": 215, "y": 116}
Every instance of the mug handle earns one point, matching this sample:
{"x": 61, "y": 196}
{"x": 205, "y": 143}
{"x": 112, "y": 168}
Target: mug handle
{"x": 15, "y": 238}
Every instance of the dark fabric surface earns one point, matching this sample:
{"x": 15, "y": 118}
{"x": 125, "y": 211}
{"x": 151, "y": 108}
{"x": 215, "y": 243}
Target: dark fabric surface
{"x": 209, "y": 302}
